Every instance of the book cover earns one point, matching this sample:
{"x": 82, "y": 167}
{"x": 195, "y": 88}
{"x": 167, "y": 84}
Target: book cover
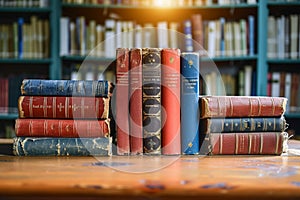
{"x": 136, "y": 102}
{"x": 151, "y": 59}
{"x": 43, "y": 146}
{"x": 42, "y": 87}
{"x": 122, "y": 101}
{"x": 189, "y": 103}
{"x": 63, "y": 107}
{"x": 170, "y": 101}
{"x": 253, "y": 143}
{"x": 65, "y": 128}
{"x": 243, "y": 124}
{"x": 242, "y": 106}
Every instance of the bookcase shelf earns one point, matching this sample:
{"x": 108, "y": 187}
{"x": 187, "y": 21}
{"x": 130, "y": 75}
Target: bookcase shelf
{"x": 229, "y": 58}
{"x": 24, "y": 61}
{"x": 9, "y": 116}
{"x": 21, "y": 10}
{"x": 86, "y": 58}
{"x": 283, "y": 61}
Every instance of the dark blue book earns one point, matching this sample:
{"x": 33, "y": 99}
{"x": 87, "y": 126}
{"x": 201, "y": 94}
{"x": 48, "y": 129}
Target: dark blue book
{"x": 41, "y": 87}
{"x": 20, "y": 37}
{"x": 251, "y": 35}
{"x": 43, "y": 146}
{"x": 190, "y": 114}
{"x": 257, "y": 124}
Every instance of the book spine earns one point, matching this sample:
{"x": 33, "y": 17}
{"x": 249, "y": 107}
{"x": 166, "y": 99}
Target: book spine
{"x": 266, "y": 143}
{"x": 188, "y": 36}
{"x": 40, "y": 87}
{"x": 66, "y": 128}
{"x": 122, "y": 101}
{"x": 257, "y": 124}
{"x": 43, "y": 146}
{"x": 63, "y": 107}
{"x": 242, "y": 106}
{"x": 136, "y": 102}
{"x": 170, "y": 101}
{"x": 151, "y": 58}
{"x": 189, "y": 103}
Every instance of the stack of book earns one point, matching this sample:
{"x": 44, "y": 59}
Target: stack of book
{"x": 63, "y": 117}
{"x": 242, "y": 125}
{"x": 148, "y": 99}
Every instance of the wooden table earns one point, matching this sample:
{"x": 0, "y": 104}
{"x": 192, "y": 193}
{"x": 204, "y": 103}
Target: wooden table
{"x": 145, "y": 177}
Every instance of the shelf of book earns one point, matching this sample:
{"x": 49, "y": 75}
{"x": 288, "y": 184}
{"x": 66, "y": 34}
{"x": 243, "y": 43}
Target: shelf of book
{"x": 25, "y": 61}
{"x": 229, "y": 58}
{"x": 78, "y": 58}
{"x": 21, "y": 10}
{"x": 283, "y": 61}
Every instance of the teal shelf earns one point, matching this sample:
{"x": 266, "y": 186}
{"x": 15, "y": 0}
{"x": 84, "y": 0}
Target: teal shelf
{"x": 292, "y": 115}
{"x": 115, "y": 6}
{"x": 283, "y": 61}
{"x": 24, "y": 10}
{"x": 25, "y": 61}
{"x": 9, "y": 116}
{"x": 283, "y": 3}
{"x": 226, "y": 58}
{"x": 85, "y": 58}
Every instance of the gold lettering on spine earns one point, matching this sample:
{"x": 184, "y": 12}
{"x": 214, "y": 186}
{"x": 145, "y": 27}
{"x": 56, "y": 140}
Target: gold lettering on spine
{"x": 67, "y": 107}
{"x": 277, "y": 143}
{"x": 273, "y": 105}
{"x": 231, "y": 106}
{"x": 45, "y": 127}
{"x": 261, "y": 143}
{"x": 45, "y": 107}
{"x": 30, "y": 127}
{"x": 30, "y": 106}
{"x": 54, "y": 107}
{"x": 251, "y": 108}
{"x": 221, "y": 143}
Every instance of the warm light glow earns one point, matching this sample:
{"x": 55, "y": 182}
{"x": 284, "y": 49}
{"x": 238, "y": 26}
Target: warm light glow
{"x": 163, "y": 3}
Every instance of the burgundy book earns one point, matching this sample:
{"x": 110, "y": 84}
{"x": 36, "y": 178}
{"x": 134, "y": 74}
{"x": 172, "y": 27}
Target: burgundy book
{"x": 170, "y": 100}
{"x": 122, "y": 101}
{"x": 136, "y": 102}
{"x": 63, "y": 107}
{"x": 263, "y": 143}
{"x": 65, "y": 128}
{"x": 242, "y": 106}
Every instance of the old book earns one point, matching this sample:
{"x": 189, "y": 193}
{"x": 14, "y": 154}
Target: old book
{"x": 63, "y": 107}
{"x": 136, "y": 102}
{"x": 65, "y": 128}
{"x": 42, "y": 87}
{"x": 151, "y": 58}
{"x": 243, "y": 124}
{"x": 242, "y": 106}
{"x": 170, "y": 101}
{"x": 239, "y": 143}
{"x": 197, "y": 32}
{"x": 122, "y": 101}
{"x": 189, "y": 103}
{"x": 44, "y": 146}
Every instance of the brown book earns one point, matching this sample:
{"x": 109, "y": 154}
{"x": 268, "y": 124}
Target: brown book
{"x": 242, "y": 106}
{"x": 136, "y": 102}
{"x": 197, "y": 32}
{"x": 65, "y": 128}
{"x": 263, "y": 143}
{"x": 122, "y": 101}
{"x": 63, "y": 107}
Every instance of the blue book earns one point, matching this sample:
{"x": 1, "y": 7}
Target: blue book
{"x": 43, "y": 146}
{"x": 41, "y": 87}
{"x": 20, "y": 37}
{"x": 251, "y": 35}
{"x": 188, "y": 36}
{"x": 190, "y": 113}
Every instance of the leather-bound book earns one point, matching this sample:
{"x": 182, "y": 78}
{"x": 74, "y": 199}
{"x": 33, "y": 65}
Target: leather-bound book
{"x": 151, "y": 58}
{"x": 190, "y": 112}
{"x": 170, "y": 101}
{"x": 122, "y": 101}
{"x": 65, "y": 128}
{"x": 63, "y": 107}
{"x": 242, "y": 106}
{"x": 136, "y": 102}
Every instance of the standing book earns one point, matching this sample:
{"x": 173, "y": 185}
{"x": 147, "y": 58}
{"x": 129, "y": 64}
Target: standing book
{"x": 136, "y": 102}
{"x": 151, "y": 58}
{"x": 170, "y": 98}
{"x": 122, "y": 101}
{"x": 190, "y": 103}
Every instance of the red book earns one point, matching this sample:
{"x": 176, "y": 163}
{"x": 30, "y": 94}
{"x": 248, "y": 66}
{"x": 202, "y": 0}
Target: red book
{"x": 170, "y": 97}
{"x": 67, "y": 128}
{"x": 136, "y": 104}
{"x": 63, "y": 107}
{"x": 264, "y": 143}
{"x": 122, "y": 101}
{"x": 242, "y": 106}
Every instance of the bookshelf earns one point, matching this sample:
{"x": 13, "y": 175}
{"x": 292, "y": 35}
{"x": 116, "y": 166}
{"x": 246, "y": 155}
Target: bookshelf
{"x": 58, "y": 66}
